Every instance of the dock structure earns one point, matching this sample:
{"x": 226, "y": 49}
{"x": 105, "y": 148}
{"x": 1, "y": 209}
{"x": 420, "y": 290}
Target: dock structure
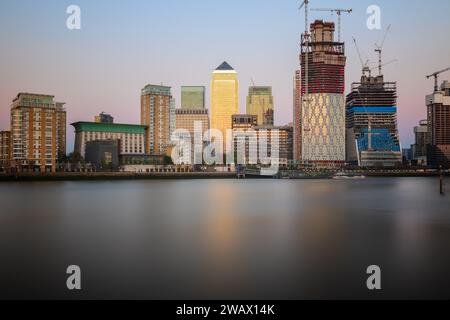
{"x": 241, "y": 172}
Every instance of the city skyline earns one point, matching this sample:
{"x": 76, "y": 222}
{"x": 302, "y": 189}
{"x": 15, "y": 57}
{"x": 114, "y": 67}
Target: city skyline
{"x": 81, "y": 67}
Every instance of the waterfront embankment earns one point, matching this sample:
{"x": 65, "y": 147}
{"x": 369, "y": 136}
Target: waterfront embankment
{"x": 64, "y": 176}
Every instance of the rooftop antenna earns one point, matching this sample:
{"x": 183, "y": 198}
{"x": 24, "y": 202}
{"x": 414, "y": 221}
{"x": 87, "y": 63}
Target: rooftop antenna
{"x": 379, "y": 50}
{"x": 339, "y": 14}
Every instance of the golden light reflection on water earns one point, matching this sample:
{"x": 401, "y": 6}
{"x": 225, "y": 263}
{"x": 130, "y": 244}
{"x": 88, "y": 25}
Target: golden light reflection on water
{"x": 221, "y": 225}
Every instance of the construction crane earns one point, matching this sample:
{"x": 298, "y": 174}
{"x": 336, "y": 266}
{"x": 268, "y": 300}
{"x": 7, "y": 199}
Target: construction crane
{"x": 364, "y": 65}
{"x": 339, "y": 14}
{"x": 305, "y": 4}
{"x": 436, "y": 77}
{"x": 385, "y": 64}
{"x": 379, "y": 50}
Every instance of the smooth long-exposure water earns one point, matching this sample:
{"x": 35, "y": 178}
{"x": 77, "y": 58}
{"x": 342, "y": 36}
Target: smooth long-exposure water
{"x": 225, "y": 239}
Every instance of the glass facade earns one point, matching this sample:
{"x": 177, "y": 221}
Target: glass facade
{"x": 224, "y": 98}
{"x": 259, "y": 103}
{"x": 192, "y": 97}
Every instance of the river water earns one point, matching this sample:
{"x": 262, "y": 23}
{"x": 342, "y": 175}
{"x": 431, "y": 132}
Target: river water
{"x": 225, "y": 239}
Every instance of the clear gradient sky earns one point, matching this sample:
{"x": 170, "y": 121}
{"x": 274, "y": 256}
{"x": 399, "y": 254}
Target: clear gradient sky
{"x": 124, "y": 45}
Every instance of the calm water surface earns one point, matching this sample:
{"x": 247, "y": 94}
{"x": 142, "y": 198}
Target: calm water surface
{"x": 225, "y": 239}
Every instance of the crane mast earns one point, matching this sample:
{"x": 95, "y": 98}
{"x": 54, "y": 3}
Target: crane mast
{"x": 379, "y": 50}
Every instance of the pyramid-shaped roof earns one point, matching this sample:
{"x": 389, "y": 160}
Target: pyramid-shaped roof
{"x": 225, "y": 67}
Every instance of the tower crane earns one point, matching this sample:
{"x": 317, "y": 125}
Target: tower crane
{"x": 305, "y": 4}
{"x": 385, "y": 64}
{"x": 339, "y": 14}
{"x": 436, "y": 77}
{"x": 379, "y": 50}
{"x": 365, "y": 65}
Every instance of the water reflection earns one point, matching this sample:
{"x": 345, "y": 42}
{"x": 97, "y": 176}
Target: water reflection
{"x": 225, "y": 239}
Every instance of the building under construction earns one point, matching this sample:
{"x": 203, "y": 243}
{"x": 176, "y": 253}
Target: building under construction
{"x": 438, "y": 105}
{"x": 371, "y": 121}
{"x": 320, "y": 131}
{"x": 297, "y": 116}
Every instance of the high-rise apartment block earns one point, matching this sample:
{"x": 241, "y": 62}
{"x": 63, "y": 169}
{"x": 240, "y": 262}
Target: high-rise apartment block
{"x": 322, "y": 113}
{"x": 38, "y": 132}
{"x": 224, "y": 98}
{"x": 438, "y": 105}
{"x": 193, "y": 97}
{"x": 372, "y": 133}
{"x": 260, "y": 103}
{"x": 158, "y": 113}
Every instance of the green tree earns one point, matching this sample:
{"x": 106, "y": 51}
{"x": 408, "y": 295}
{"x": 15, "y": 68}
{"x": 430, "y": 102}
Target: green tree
{"x": 168, "y": 160}
{"x": 75, "y": 157}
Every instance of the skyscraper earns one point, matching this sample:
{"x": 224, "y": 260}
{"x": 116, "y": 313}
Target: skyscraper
{"x": 372, "y": 133}
{"x": 193, "y": 97}
{"x": 259, "y": 103}
{"x": 323, "y": 103}
{"x": 224, "y": 98}
{"x": 158, "y": 113}
{"x": 438, "y": 105}
{"x": 38, "y": 132}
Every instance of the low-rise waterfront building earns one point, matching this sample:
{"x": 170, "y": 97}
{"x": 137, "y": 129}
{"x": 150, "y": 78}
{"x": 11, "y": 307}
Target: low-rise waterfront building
{"x": 156, "y": 168}
{"x": 141, "y": 160}
{"x": 103, "y": 154}
{"x": 132, "y": 137}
